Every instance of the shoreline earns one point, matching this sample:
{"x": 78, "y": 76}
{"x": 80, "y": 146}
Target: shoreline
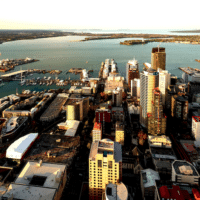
{"x": 9, "y": 36}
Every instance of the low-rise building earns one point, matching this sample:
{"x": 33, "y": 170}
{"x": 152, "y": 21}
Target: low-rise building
{"x": 173, "y": 190}
{"x": 71, "y": 127}
{"x": 162, "y": 154}
{"x": 148, "y": 178}
{"x": 116, "y": 192}
{"x": 38, "y": 180}
{"x": 18, "y": 149}
{"x": 184, "y": 172}
{"x": 119, "y": 132}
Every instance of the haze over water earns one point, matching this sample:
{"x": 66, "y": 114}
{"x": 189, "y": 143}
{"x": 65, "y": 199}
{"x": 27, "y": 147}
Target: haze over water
{"x": 62, "y": 53}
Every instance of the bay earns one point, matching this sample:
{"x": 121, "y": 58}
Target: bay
{"x": 64, "y": 53}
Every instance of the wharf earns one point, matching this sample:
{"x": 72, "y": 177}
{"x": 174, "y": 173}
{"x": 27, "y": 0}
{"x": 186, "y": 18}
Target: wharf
{"x": 75, "y": 70}
{"x": 188, "y": 70}
{"x": 11, "y": 76}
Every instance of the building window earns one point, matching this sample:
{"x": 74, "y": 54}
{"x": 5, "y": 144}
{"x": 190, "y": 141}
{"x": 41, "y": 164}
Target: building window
{"x": 99, "y": 163}
{"x": 109, "y": 164}
{"x": 109, "y": 191}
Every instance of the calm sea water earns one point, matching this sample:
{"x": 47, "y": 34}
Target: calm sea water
{"x": 64, "y": 53}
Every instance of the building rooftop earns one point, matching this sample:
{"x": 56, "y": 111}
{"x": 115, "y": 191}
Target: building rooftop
{"x": 184, "y": 168}
{"x": 71, "y": 127}
{"x": 196, "y": 118}
{"x": 54, "y": 149}
{"x": 178, "y": 191}
{"x": 18, "y": 148}
{"x": 149, "y": 176}
{"x": 29, "y": 192}
{"x": 97, "y": 126}
{"x": 106, "y": 147}
{"x": 50, "y": 174}
{"x": 117, "y": 109}
{"x": 159, "y": 141}
{"x": 163, "y": 153}
{"x": 116, "y": 191}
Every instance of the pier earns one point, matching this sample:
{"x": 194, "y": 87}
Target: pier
{"x": 14, "y": 75}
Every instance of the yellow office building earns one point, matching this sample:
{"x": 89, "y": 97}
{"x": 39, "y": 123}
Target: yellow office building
{"x": 105, "y": 166}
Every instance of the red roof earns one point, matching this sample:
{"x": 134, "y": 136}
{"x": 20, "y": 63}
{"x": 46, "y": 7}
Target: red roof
{"x": 97, "y": 126}
{"x": 196, "y": 194}
{"x": 174, "y": 193}
{"x": 196, "y": 118}
{"x": 164, "y": 192}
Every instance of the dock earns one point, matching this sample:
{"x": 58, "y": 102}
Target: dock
{"x": 13, "y": 75}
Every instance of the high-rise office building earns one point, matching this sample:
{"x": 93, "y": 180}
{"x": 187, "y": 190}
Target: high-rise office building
{"x": 105, "y": 166}
{"x": 164, "y": 82}
{"x": 179, "y": 107}
{"x": 103, "y": 116}
{"x": 156, "y": 119}
{"x": 135, "y": 87}
{"x": 132, "y": 71}
{"x": 117, "y": 97}
{"x": 158, "y": 58}
{"x": 148, "y": 81}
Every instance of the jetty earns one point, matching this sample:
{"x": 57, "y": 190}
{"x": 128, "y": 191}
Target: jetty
{"x": 14, "y": 75}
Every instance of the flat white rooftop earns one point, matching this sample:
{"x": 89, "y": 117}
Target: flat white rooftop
{"x": 52, "y": 172}
{"x": 29, "y": 192}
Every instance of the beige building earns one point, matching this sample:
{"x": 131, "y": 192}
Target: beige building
{"x": 119, "y": 132}
{"x": 43, "y": 181}
{"x": 105, "y": 166}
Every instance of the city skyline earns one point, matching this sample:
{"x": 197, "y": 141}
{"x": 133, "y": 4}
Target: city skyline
{"x": 107, "y": 15}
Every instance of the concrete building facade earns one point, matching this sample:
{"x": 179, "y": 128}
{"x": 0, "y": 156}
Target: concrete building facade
{"x": 148, "y": 81}
{"x": 156, "y": 120}
{"x": 105, "y": 166}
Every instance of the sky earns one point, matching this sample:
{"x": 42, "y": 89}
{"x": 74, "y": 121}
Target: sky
{"x": 99, "y": 14}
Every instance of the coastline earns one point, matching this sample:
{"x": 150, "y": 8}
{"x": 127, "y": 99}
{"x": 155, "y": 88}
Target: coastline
{"x": 8, "y": 36}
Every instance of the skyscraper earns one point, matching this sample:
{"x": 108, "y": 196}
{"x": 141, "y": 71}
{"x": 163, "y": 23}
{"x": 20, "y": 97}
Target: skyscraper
{"x": 148, "y": 81}
{"x": 158, "y": 58}
{"x": 164, "y": 82}
{"x": 105, "y": 166}
{"x": 132, "y": 71}
{"x": 156, "y": 119}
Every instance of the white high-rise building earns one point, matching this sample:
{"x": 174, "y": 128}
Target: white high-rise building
{"x": 164, "y": 82}
{"x": 131, "y": 64}
{"x": 185, "y": 77}
{"x": 148, "y": 81}
{"x": 196, "y": 128}
{"x": 117, "y": 97}
{"x": 135, "y": 87}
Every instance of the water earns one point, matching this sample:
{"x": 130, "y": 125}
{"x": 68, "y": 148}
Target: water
{"x": 62, "y": 53}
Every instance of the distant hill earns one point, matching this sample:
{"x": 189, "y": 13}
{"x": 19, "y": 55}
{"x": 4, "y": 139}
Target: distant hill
{"x": 186, "y": 31}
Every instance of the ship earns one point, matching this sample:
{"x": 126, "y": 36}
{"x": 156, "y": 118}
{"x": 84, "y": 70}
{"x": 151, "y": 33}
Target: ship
{"x": 12, "y": 127}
